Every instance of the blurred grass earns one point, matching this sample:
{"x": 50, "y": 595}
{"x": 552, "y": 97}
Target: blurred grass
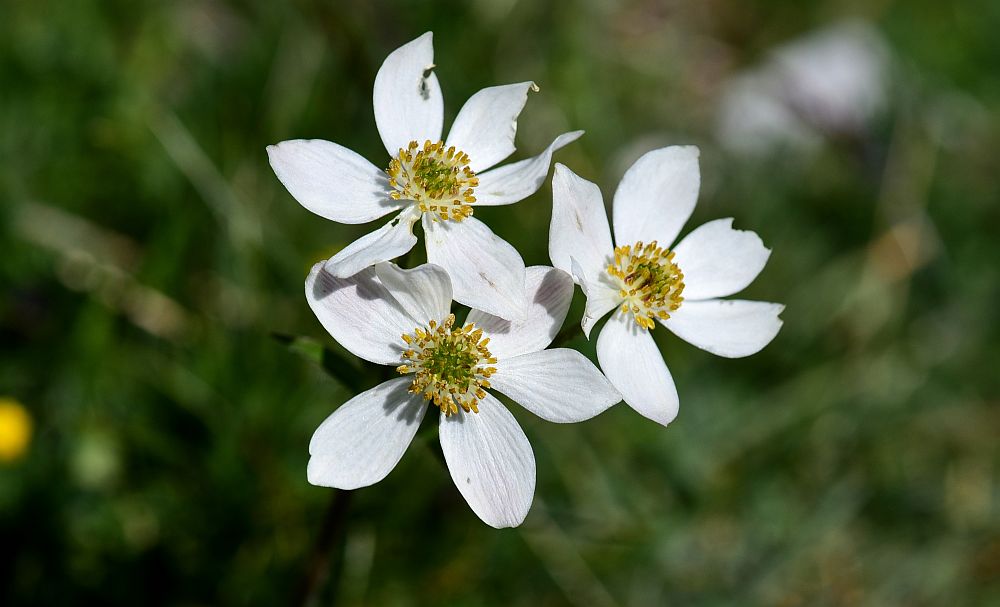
{"x": 151, "y": 253}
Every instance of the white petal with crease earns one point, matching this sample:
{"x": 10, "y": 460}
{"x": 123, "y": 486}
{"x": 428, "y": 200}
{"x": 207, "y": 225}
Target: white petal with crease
{"x": 491, "y": 462}
{"x": 424, "y": 291}
{"x": 718, "y": 261}
{"x": 559, "y": 385}
{"x": 485, "y": 126}
{"x": 579, "y": 227}
{"x": 408, "y": 104}
{"x": 359, "y": 313}
{"x": 388, "y": 242}
{"x": 602, "y": 297}
{"x": 332, "y": 181}
{"x": 518, "y": 180}
{"x": 656, "y": 196}
{"x": 486, "y": 272}
{"x": 364, "y": 439}
{"x": 726, "y": 327}
{"x": 630, "y": 359}
{"x": 550, "y": 292}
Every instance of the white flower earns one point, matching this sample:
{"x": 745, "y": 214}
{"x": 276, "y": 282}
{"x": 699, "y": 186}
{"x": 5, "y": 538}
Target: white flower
{"x": 647, "y": 282}
{"x": 833, "y": 82}
{"x": 427, "y": 178}
{"x": 398, "y": 317}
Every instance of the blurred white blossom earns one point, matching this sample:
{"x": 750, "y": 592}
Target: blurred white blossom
{"x": 832, "y": 82}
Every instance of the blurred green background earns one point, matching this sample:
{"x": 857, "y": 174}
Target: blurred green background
{"x": 151, "y": 254}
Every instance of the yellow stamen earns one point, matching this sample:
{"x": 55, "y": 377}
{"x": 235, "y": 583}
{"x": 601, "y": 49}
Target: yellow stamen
{"x": 650, "y": 283}
{"x": 439, "y": 180}
{"x": 448, "y": 364}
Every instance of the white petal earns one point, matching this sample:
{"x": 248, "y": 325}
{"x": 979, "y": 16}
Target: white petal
{"x": 424, "y": 291}
{"x": 579, "y": 227}
{"x": 364, "y": 439}
{"x": 491, "y": 462}
{"x": 518, "y": 180}
{"x": 549, "y": 291}
{"x": 486, "y": 272}
{"x": 388, "y": 242}
{"x": 559, "y": 385}
{"x": 630, "y": 359}
{"x": 602, "y": 297}
{"x": 726, "y": 327}
{"x": 331, "y": 180}
{"x": 408, "y": 104}
{"x": 656, "y": 196}
{"x": 359, "y": 313}
{"x": 485, "y": 126}
{"x": 717, "y": 260}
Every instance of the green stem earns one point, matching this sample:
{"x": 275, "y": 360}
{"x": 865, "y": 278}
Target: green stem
{"x": 325, "y": 563}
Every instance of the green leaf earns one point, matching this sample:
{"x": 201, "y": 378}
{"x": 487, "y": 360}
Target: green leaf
{"x": 337, "y": 362}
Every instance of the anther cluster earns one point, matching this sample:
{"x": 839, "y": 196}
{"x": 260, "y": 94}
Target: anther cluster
{"x": 437, "y": 178}
{"x": 650, "y": 283}
{"x": 450, "y": 365}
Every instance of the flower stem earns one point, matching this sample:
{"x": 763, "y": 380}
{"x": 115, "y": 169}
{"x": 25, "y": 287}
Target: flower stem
{"x": 326, "y": 561}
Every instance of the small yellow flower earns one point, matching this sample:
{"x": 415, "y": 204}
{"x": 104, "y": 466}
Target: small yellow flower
{"x": 15, "y": 429}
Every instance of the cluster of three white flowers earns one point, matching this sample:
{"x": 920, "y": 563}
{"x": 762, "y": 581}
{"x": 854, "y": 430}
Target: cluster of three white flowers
{"x": 393, "y": 316}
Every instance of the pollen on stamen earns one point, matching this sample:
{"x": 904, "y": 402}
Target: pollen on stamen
{"x": 438, "y": 179}
{"x": 451, "y": 365}
{"x": 650, "y": 283}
